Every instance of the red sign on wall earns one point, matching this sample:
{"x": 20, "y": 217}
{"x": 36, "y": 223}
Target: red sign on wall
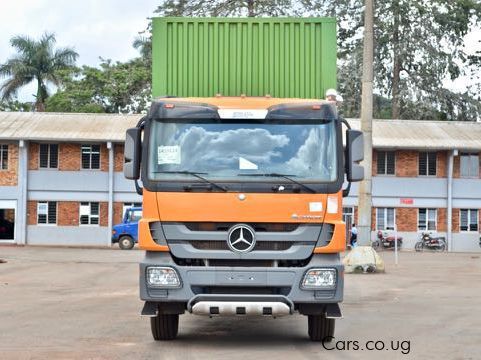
{"x": 407, "y": 201}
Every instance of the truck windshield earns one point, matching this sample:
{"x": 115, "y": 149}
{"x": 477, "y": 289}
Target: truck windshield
{"x": 225, "y": 151}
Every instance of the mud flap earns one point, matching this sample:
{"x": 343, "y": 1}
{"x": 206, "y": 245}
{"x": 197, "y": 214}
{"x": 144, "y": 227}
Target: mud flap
{"x": 333, "y": 311}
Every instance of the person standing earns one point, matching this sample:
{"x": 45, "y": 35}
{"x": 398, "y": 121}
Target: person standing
{"x": 353, "y": 235}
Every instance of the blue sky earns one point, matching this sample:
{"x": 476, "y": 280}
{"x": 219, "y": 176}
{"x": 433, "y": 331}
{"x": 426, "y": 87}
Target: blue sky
{"x": 103, "y": 28}
{"x": 93, "y": 28}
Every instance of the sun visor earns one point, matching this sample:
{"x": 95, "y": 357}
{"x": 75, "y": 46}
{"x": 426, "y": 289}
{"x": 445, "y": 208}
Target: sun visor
{"x": 312, "y": 110}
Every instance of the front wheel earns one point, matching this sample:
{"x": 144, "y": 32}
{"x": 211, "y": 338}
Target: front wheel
{"x": 126, "y": 243}
{"x": 320, "y": 328}
{"x": 418, "y": 246}
{"x": 164, "y": 326}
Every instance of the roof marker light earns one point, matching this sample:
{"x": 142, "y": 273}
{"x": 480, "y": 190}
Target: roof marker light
{"x": 316, "y": 107}
{"x": 169, "y": 106}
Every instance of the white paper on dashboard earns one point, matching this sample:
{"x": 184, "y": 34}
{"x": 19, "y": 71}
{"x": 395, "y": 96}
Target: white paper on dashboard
{"x": 245, "y": 164}
{"x": 168, "y": 155}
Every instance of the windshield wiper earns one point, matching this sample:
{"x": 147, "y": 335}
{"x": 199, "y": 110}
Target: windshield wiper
{"x": 195, "y": 174}
{"x": 287, "y": 177}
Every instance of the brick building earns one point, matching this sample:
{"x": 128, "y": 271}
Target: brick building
{"x": 61, "y": 179}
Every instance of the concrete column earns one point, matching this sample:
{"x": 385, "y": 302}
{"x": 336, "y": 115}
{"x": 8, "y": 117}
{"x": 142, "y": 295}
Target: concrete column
{"x": 110, "y": 147}
{"x": 449, "y": 211}
{"x": 22, "y": 176}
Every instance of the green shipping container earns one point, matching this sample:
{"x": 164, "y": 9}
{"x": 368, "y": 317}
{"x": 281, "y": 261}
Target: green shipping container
{"x": 283, "y": 57}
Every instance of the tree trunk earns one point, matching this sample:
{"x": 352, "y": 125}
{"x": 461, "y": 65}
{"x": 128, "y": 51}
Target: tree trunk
{"x": 365, "y": 188}
{"x": 40, "y": 98}
{"x": 250, "y": 8}
{"x": 396, "y": 63}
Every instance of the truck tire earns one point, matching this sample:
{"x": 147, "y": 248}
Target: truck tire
{"x": 164, "y": 326}
{"x": 126, "y": 243}
{"x": 320, "y": 328}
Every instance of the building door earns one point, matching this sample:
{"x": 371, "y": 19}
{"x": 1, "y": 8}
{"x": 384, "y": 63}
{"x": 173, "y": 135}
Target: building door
{"x": 7, "y": 220}
{"x": 348, "y": 218}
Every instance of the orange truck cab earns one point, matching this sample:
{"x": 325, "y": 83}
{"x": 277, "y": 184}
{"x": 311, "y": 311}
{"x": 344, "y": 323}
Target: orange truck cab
{"x": 242, "y": 208}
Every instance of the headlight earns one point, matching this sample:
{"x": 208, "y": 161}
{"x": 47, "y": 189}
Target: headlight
{"x": 319, "y": 279}
{"x": 162, "y": 277}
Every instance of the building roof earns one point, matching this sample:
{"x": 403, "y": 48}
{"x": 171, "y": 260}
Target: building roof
{"x": 422, "y": 134}
{"x": 65, "y": 126}
{"x": 389, "y": 134}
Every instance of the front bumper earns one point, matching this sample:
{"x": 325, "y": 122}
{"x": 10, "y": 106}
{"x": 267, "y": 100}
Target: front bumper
{"x": 244, "y": 284}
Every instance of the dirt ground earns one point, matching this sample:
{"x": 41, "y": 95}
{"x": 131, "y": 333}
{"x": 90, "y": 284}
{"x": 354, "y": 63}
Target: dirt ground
{"x": 62, "y": 303}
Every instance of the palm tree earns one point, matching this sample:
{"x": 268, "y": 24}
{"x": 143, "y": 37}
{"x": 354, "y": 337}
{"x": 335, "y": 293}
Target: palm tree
{"x": 35, "y": 60}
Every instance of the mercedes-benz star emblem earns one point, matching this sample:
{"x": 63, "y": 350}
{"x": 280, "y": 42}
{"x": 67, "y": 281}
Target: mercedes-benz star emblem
{"x": 241, "y": 238}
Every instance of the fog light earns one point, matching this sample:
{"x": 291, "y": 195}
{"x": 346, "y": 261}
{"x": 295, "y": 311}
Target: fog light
{"x": 162, "y": 277}
{"x": 319, "y": 279}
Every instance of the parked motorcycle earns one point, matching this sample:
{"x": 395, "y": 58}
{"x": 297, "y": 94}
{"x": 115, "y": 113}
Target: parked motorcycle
{"x": 431, "y": 243}
{"x": 386, "y": 240}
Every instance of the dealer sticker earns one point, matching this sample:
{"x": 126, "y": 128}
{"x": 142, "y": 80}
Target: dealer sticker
{"x": 168, "y": 155}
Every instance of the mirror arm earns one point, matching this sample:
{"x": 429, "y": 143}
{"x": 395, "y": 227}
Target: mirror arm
{"x": 345, "y": 192}
{"x": 344, "y": 121}
{"x": 139, "y": 189}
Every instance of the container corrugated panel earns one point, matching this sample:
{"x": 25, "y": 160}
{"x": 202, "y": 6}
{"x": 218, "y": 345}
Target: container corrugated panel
{"x": 282, "y": 57}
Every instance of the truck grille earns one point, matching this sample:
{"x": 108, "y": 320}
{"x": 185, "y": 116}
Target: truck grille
{"x": 259, "y": 246}
{"x": 225, "y": 226}
{"x": 247, "y": 290}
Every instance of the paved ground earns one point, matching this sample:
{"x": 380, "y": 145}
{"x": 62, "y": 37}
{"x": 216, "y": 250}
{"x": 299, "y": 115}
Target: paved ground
{"x": 61, "y": 303}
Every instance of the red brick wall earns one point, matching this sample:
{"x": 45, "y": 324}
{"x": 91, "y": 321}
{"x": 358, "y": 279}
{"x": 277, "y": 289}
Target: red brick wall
{"x": 455, "y": 220}
{"x": 31, "y": 212}
{"x": 69, "y": 157}
{"x": 104, "y": 157}
{"x": 407, "y": 163}
{"x": 373, "y": 219}
{"x": 103, "y": 216}
{"x": 118, "y": 212}
{"x": 119, "y": 157}
{"x": 33, "y": 154}
{"x": 9, "y": 176}
{"x": 374, "y": 163}
{"x": 442, "y": 212}
{"x": 441, "y": 170}
{"x": 407, "y": 219}
{"x": 68, "y": 213}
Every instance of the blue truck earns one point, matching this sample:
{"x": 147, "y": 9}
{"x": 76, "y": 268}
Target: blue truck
{"x": 126, "y": 233}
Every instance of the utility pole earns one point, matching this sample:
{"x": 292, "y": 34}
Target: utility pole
{"x": 365, "y": 187}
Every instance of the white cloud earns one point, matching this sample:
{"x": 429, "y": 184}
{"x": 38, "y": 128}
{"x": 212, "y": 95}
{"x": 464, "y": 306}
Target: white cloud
{"x": 93, "y": 28}
{"x": 222, "y": 149}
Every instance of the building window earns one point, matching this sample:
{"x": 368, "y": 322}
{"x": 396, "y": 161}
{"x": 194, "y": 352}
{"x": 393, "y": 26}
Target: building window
{"x": 47, "y": 212}
{"x": 48, "y": 156}
{"x": 3, "y": 157}
{"x": 91, "y": 157}
{"x": 385, "y": 218}
{"x": 386, "y": 162}
{"x": 469, "y": 165}
{"x": 469, "y": 220}
{"x": 129, "y": 205}
{"x": 427, "y": 219}
{"x": 427, "y": 163}
{"x": 89, "y": 213}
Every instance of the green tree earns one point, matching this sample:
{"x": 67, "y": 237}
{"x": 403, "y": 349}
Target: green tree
{"x": 111, "y": 88}
{"x": 36, "y": 60}
{"x": 217, "y": 8}
{"x": 14, "y": 105}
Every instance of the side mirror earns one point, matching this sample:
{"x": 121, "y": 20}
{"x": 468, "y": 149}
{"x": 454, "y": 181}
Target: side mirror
{"x": 132, "y": 152}
{"x": 354, "y": 155}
